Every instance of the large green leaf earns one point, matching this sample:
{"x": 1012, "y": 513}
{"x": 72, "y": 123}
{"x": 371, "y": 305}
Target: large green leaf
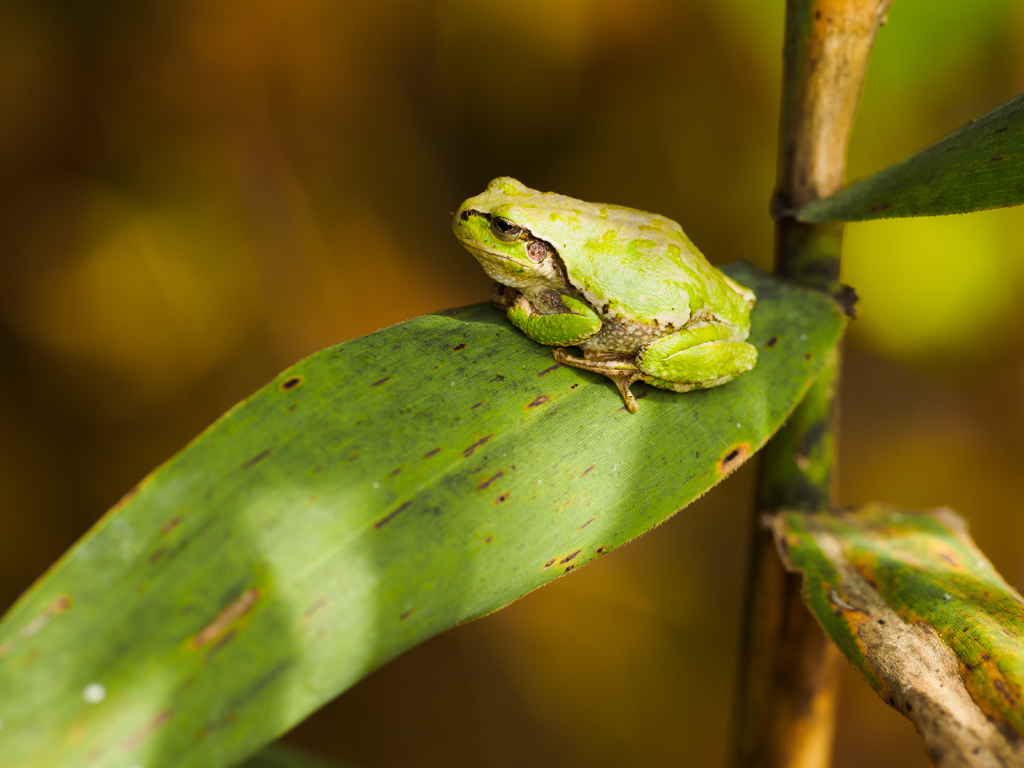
{"x": 978, "y": 166}
{"x": 370, "y": 497}
{"x": 925, "y": 618}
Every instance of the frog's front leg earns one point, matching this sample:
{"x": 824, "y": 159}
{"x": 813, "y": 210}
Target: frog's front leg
{"x": 696, "y": 358}
{"x": 578, "y": 324}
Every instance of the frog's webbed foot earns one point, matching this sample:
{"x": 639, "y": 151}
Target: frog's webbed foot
{"x": 620, "y": 370}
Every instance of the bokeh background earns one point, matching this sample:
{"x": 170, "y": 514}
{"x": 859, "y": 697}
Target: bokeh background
{"x": 196, "y": 193}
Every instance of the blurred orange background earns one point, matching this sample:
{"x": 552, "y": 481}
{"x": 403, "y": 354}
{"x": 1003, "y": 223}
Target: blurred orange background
{"x": 195, "y": 194}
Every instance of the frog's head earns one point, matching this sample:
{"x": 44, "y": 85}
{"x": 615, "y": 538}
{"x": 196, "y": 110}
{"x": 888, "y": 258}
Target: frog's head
{"x": 496, "y": 227}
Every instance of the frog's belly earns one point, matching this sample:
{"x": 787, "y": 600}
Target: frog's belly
{"x": 618, "y": 338}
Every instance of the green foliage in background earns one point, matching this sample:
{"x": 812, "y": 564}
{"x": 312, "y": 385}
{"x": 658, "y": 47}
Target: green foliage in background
{"x": 370, "y": 497}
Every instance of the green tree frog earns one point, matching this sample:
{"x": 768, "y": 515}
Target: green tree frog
{"x": 626, "y": 287}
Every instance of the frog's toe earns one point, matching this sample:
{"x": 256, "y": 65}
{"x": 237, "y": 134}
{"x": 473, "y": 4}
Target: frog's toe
{"x": 623, "y": 382}
{"x": 622, "y": 371}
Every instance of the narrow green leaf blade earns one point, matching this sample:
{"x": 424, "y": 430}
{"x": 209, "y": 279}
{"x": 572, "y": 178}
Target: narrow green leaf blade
{"x": 926, "y": 619}
{"x": 976, "y": 167}
{"x": 371, "y": 496}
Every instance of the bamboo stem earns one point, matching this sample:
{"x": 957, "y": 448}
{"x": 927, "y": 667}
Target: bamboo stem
{"x": 785, "y": 713}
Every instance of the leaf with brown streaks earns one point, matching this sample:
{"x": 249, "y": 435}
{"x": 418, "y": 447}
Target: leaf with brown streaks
{"x": 918, "y": 609}
{"x": 282, "y": 555}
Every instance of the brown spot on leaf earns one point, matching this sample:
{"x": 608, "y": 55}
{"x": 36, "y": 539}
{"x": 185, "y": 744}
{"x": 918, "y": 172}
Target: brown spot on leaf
{"x": 540, "y": 400}
{"x": 574, "y": 386}
{"x": 257, "y": 458}
{"x": 219, "y": 626}
{"x": 1000, "y": 130}
{"x": 771, "y": 342}
{"x": 502, "y": 498}
{"x": 458, "y": 347}
{"x": 430, "y": 453}
{"x": 878, "y": 207}
{"x": 588, "y": 470}
{"x": 554, "y": 367}
{"x": 316, "y": 606}
{"x": 221, "y": 642}
{"x": 489, "y": 539}
{"x": 808, "y": 356}
{"x": 145, "y": 731}
{"x": 170, "y": 525}
{"x": 157, "y": 554}
{"x": 406, "y": 615}
{"x": 378, "y": 383}
{"x": 390, "y": 516}
{"x": 566, "y": 559}
{"x": 130, "y": 496}
{"x": 476, "y": 405}
{"x": 733, "y": 458}
{"x": 995, "y": 159}
{"x": 587, "y": 523}
{"x": 491, "y": 480}
{"x": 569, "y": 568}
{"x": 469, "y": 451}
{"x": 291, "y": 383}
{"x": 948, "y": 557}
{"x": 549, "y": 563}
{"x": 59, "y": 605}
{"x": 394, "y": 471}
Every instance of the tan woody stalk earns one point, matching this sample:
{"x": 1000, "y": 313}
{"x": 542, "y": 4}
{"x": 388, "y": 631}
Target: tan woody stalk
{"x": 785, "y": 711}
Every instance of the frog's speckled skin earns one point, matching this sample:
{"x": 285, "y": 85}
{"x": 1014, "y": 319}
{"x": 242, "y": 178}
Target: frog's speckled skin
{"x": 638, "y": 275}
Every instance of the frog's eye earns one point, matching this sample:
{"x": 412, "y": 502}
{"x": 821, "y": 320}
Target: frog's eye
{"x": 505, "y": 230}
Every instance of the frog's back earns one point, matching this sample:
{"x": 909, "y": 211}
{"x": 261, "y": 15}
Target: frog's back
{"x": 635, "y": 265}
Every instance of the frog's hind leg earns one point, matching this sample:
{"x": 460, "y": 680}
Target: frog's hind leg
{"x": 621, "y": 370}
{"x": 696, "y": 358}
